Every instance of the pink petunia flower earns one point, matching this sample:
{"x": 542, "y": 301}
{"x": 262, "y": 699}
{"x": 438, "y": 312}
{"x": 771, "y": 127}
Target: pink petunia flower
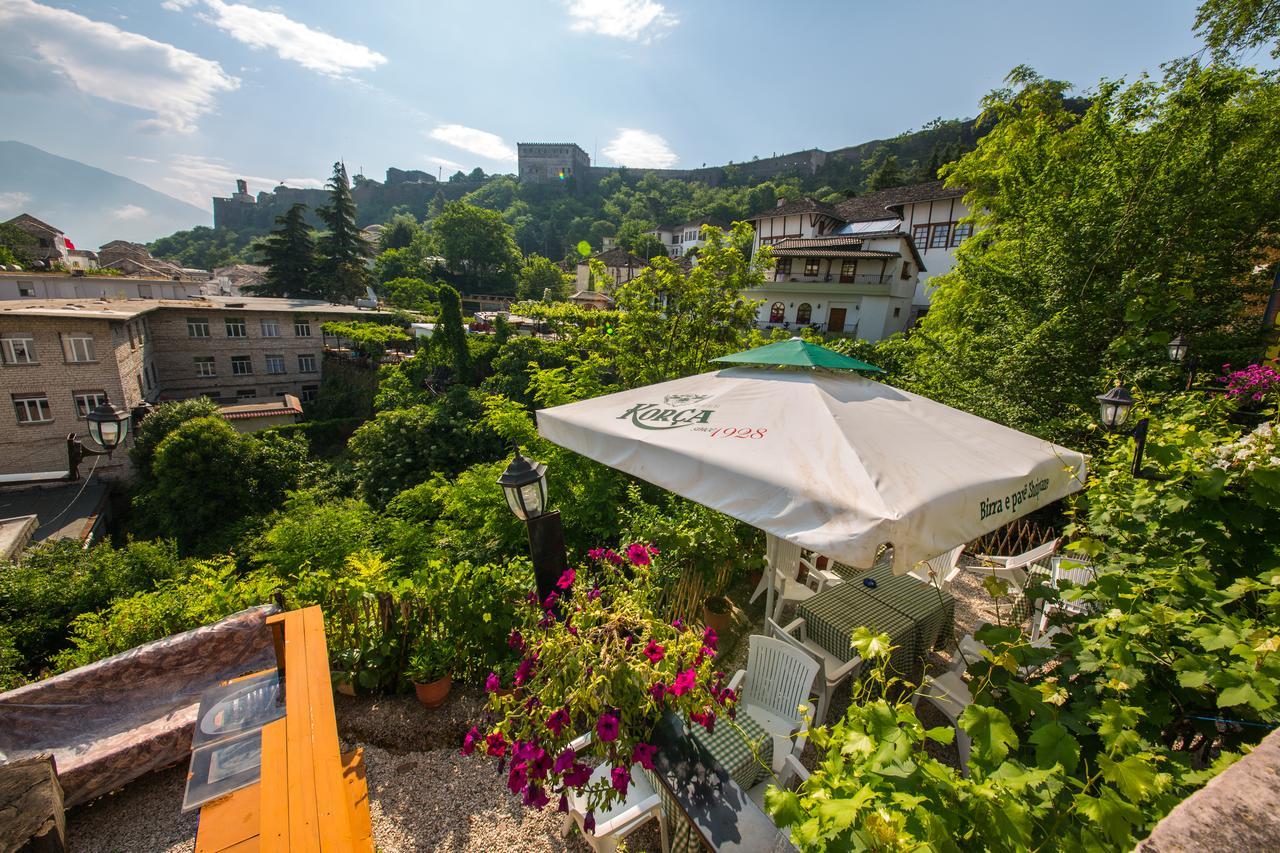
{"x": 658, "y": 691}
{"x": 516, "y": 641}
{"x": 564, "y": 761}
{"x": 578, "y": 776}
{"x": 566, "y": 579}
{"x": 469, "y": 742}
{"x": 535, "y": 797}
{"x": 492, "y": 684}
{"x": 589, "y": 822}
{"x": 643, "y": 754}
{"x": 621, "y": 778}
{"x": 638, "y": 555}
{"x": 709, "y": 638}
{"x": 684, "y": 682}
{"x": 654, "y": 652}
{"x": 607, "y": 727}
{"x": 557, "y": 721}
{"x": 495, "y": 744}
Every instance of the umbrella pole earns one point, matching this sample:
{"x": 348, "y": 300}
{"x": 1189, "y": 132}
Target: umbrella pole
{"x": 769, "y": 562}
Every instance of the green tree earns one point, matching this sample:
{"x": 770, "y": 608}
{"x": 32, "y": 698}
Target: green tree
{"x": 543, "y": 278}
{"x": 289, "y": 253}
{"x": 648, "y": 246}
{"x": 399, "y": 231}
{"x": 342, "y": 249}
{"x": 15, "y": 245}
{"x": 885, "y": 172}
{"x": 1100, "y": 236}
{"x": 409, "y": 294}
{"x": 450, "y": 336}
{"x": 479, "y": 246}
{"x": 1236, "y": 26}
{"x": 404, "y": 447}
{"x": 156, "y": 426}
{"x": 672, "y": 322}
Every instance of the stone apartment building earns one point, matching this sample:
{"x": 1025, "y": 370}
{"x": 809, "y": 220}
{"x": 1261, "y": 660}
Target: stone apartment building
{"x": 60, "y": 358}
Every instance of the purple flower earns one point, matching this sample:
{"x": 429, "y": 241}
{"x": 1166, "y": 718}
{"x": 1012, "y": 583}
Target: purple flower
{"x": 677, "y": 623}
{"x": 516, "y": 641}
{"x": 557, "y": 721}
{"x": 566, "y": 579}
{"x": 638, "y": 554}
{"x": 496, "y": 744}
{"x": 535, "y": 797}
{"x": 492, "y": 684}
{"x": 564, "y": 803}
{"x": 706, "y": 719}
{"x": 525, "y": 671}
{"x": 684, "y": 682}
{"x": 564, "y": 762}
{"x": 539, "y": 764}
{"x": 551, "y": 599}
{"x": 589, "y": 823}
{"x": 643, "y": 754}
{"x": 593, "y": 593}
{"x": 517, "y": 778}
{"x": 709, "y": 638}
{"x": 654, "y": 652}
{"x": 469, "y": 742}
{"x": 607, "y": 727}
{"x": 658, "y": 691}
{"x": 621, "y": 777}
{"x": 578, "y": 776}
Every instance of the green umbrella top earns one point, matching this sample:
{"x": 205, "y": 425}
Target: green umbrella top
{"x": 797, "y": 352}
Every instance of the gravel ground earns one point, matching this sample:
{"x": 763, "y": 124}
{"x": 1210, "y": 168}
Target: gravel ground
{"x": 424, "y": 795}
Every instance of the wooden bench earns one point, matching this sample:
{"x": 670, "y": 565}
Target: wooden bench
{"x": 310, "y": 796}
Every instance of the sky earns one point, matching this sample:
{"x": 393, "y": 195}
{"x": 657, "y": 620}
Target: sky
{"x": 185, "y": 96}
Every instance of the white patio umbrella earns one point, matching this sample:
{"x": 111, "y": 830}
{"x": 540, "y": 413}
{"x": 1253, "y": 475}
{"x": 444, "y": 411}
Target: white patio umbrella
{"x": 827, "y": 460}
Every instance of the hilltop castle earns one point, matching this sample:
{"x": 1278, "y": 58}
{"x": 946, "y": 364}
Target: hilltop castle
{"x": 548, "y": 162}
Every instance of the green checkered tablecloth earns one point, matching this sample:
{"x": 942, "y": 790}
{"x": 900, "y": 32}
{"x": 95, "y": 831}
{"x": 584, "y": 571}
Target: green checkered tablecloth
{"x": 914, "y": 615}
{"x": 742, "y": 747}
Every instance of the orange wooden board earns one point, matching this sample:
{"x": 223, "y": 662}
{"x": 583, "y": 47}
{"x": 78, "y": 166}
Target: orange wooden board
{"x": 229, "y": 821}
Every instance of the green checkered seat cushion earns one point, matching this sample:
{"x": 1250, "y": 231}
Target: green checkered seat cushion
{"x": 741, "y": 746}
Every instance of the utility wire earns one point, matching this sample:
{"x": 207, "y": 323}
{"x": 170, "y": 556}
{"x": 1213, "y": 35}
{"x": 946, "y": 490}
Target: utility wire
{"x": 96, "y": 459}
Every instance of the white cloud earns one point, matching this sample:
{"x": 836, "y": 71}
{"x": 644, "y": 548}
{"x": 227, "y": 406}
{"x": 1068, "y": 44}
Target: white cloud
{"x": 129, "y": 211}
{"x": 104, "y": 61}
{"x": 13, "y": 202}
{"x": 196, "y": 179}
{"x": 296, "y": 42}
{"x": 479, "y": 142}
{"x": 641, "y": 149}
{"x": 448, "y": 164}
{"x": 634, "y": 20}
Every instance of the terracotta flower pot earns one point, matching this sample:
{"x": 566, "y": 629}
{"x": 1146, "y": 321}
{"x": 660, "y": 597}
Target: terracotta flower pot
{"x": 433, "y": 693}
{"x": 717, "y": 614}
{"x": 343, "y": 684}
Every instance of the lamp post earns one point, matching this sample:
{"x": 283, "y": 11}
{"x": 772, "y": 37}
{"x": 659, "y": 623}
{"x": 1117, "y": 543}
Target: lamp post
{"x": 1115, "y": 406}
{"x": 1179, "y": 350}
{"x": 108, "y": 427}
{"x": 524, "y": 484}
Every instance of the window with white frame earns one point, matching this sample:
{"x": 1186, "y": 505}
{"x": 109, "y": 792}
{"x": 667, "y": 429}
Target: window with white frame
{"x": 275, "y": 364}
{"x": 206, "y": 366}
{"x": 87, "y": 401}
{"x": 197, "y": 327}
{"x": 241, "y": 365}
{"x": 309, "y": 393}
{"x": 301, "y": 327}
{"x": 77, "y": 348}
{"x": 811, "y": 266}
{"x": 270, "y": 329}
{"x": 963, "y": 232}
{"x": 32, "y": 408}
{"x": 19, "y": 349}
{"x": 920, "y": 235}
{"x": 306, "y": 363}
{"x": 236, "y": 328}
{"x": 782, "y": 266}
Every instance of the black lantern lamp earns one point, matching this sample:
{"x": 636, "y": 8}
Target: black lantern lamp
{"x": 1180, "y": 353}
{"x": 1178, "y": 349}
{"x": 524, "y": 484}
{"x": 1115, "y": 406}
{"x": 108, "y": 427}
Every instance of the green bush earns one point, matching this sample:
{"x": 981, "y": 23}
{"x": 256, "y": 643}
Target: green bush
{"x": 325, "y": 439}
{"x": 54, "y": 583}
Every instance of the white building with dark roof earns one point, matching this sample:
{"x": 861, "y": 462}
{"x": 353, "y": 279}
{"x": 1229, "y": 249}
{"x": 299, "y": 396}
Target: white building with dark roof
{"x": 859, "y": 266}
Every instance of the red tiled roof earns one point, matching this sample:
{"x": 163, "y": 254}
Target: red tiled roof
{"x": 834, "y": 253}
{"x": 791, "y": 208}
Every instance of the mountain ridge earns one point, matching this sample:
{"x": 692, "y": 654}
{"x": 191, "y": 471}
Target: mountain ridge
{"x": 89, "y": 204}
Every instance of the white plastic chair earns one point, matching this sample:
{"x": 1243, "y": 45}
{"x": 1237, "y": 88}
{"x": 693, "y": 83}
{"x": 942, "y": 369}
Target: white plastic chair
{"x": 793, "y": 776}
{"x": 641, "y": 805}
{"x": 948, "y": 693}
{"x": 940, "y": 570}
{"x": 1078, "y": 574}
{"x": 832, "y": 670}
{"x": 782, "y": 560}
{"x": 1014, "y": 569}
{"x": 777, "y": 681}
{"x": 794, "y": 591}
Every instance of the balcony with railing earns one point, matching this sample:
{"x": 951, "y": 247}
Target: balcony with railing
{"x": 833, "y": 278}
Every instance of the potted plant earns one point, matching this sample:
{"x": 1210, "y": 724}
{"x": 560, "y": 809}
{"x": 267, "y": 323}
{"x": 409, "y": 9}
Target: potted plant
{"x": 717, "y": 613}
{"x": 429, "y": 669}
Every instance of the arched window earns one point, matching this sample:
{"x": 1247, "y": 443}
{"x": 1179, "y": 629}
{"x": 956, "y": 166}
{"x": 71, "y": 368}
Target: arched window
{"x": 804, "y": 314}
{"x": 777, "y": 312}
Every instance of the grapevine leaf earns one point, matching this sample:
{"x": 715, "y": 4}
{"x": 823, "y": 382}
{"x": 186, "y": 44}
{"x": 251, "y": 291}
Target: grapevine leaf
{"x": 1135, "y": 776}
{"x": 1055, "y": 745}
{"x": 990, "y": 730}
